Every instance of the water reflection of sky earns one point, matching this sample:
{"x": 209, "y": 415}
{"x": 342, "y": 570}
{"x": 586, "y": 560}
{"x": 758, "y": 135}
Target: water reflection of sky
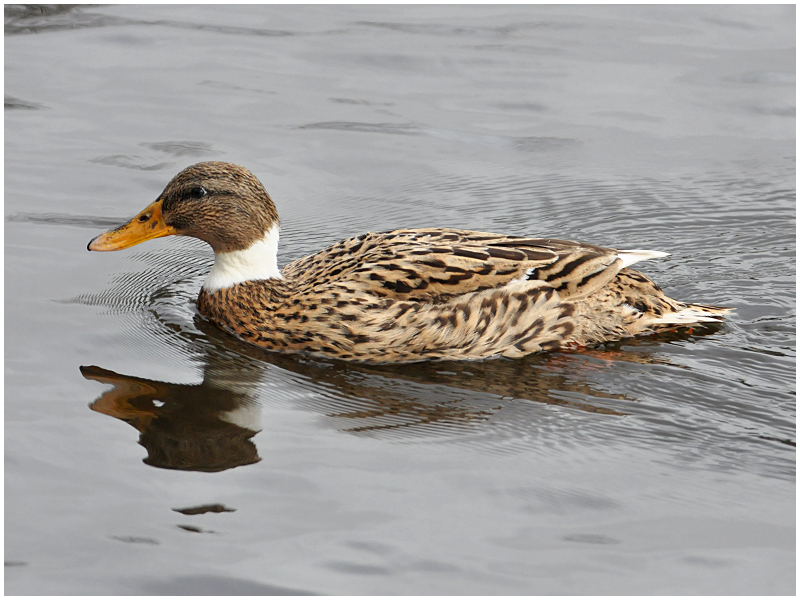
{"x": 651, "y": 466}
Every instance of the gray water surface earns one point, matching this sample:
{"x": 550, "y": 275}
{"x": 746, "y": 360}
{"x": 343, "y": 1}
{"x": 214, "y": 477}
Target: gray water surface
{"x": 149, "y": 453}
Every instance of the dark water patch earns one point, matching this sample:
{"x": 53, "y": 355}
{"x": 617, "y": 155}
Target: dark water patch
{"x": 15, "y": 103}
{"x": 778, "y": 111}
{"x": 43, "y": 18}
{"x": 181, "y": 148}
{"x": 702, "y": 561}
{"x": 205, "y": 508}
{"x": 194, "y": 529}
{"x": 788, "y": 442}
{"x": 132, "y": 539}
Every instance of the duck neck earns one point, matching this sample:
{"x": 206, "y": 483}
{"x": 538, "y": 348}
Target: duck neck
{"x": 257, "y": 262}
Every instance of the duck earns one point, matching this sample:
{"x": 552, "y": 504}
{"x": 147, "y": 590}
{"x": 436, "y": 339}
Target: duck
{"x": 401, "y": 296}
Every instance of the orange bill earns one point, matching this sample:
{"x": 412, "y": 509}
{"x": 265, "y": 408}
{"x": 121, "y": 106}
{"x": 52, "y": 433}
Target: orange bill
{"x": 147, "y": 225}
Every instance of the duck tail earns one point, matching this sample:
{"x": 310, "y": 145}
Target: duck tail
{"x": 693, "y": 313}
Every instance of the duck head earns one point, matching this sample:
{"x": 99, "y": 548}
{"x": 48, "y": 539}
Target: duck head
{"x": 220, "y": 203}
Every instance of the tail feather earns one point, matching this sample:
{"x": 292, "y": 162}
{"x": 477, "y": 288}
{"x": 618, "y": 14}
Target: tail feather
{"x": 629, "y": 257}
{"x": 693, "y": 313}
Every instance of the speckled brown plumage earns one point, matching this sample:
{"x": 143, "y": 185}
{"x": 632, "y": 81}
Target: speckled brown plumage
{"x": 414, "y": 294}
{"x": 441, "y": 294}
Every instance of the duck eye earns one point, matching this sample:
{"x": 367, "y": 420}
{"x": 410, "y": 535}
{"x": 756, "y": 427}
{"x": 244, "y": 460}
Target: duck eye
{"x": 197, "y": 193}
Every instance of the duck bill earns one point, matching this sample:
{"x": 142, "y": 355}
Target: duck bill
{"x": 147, "y": 225}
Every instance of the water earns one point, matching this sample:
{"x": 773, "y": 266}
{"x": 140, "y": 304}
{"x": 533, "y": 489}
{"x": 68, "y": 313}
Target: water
{"x": 661, "y": 465}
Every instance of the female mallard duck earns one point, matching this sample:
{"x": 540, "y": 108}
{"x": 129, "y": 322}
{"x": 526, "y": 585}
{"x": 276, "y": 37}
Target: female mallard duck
{"x": 404, "y": 295}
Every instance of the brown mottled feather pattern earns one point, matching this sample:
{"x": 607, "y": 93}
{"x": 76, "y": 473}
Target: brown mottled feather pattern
{"x": 423, "y": 294}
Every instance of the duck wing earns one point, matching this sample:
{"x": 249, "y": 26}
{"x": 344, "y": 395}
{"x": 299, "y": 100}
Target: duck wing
{"x": 435, "y": 265}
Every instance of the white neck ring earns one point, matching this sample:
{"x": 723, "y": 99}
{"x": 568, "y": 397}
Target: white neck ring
{"x": 259, "y": 261}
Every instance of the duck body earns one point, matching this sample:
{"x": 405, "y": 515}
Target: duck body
{"x": 401, "y": 296}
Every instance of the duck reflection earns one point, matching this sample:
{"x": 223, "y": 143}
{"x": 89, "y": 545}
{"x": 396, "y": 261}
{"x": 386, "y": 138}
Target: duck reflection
{"x": 209, "y": 426}
{"x": 206, "y": 427}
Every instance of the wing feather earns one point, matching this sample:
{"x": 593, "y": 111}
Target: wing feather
{"x": 434, "y": 265}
